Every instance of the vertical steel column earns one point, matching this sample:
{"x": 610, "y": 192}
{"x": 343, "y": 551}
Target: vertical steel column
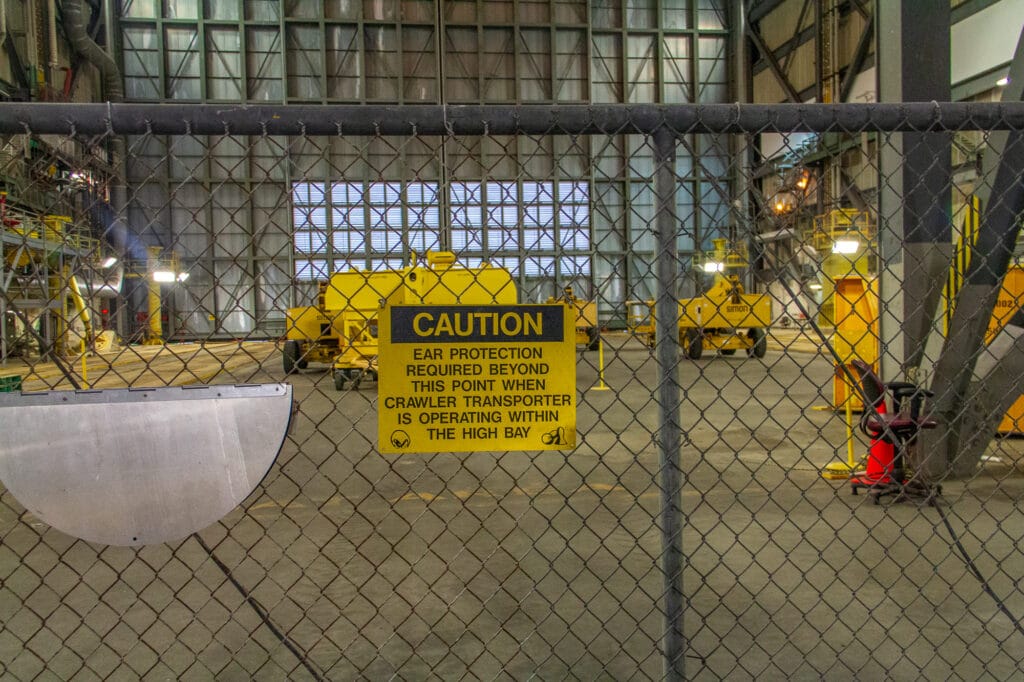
{"x": 741, "y": 143}
{"x": 914, "y": 224}
{"x": 669, "y": 427}
{"x": 889, "y": 57}
{"x": 3, "y": 305}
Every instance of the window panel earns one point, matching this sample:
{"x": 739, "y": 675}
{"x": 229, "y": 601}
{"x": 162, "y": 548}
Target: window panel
{"x": 465, "y": 192}
{"x": 345, "y": 242}
{"x": 310, "y": 270}
{"x": 503, "y": 239}
{"x": 311, "y": 242}
{"x": 538, "y": 240}
{"x": 467, "y": 239}
{"x": 424, "y": 217}
{"x": 467, "y": 216}
{"x": 543, "y": 266}
{"x": 308, "y": 193}
{"x": 307, "y": 217}
{"x": 538, "y": 192}
{"x": 182, "y": 62}
{"x": 574, "y": 266}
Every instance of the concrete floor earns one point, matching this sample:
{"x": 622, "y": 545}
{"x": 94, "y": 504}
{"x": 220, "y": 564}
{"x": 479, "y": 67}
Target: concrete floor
{"x": 545, "y": 564}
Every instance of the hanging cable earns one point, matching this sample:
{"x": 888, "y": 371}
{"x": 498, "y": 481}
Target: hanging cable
{"x": 977, "y": 574}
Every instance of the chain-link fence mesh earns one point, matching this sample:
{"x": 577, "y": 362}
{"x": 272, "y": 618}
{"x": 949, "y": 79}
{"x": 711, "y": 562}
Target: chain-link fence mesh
{"x": 728, "y": 267}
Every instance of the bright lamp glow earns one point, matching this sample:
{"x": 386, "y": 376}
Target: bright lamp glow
{"x": 1003, "y": 82}
{"x": 163, "y": 276}
{"x": 814, "y": 287}
{"x": 182, "y": 276}
{"x": 845, "y": 246}
{"x": 712, "y": 266}
{"x": 109, "y": 262}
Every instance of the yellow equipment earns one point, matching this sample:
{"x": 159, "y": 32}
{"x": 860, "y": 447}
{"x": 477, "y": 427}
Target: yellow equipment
{"x": 724, "y": 319}
{"x": 342, "y": 328}
{"x": 311, "y": 336}
{"x": 1009, "y": 304}
{"x": 587, "y": 330}
{"x": 856, "y": 335}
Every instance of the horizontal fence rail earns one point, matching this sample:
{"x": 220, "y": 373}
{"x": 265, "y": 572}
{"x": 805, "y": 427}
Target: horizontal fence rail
{"x": 369, "y": 119}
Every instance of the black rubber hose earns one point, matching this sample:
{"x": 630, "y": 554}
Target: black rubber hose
{"x": 262, "y": 613}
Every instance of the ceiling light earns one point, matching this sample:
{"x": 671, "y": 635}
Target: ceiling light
{"x": 163, "y": 276}
{"x": 1003, "y": 82}
{"x": 109, "y": 262}
{"x": 814, "y": 287}
{"x": 182, "y": 276}
{"x": 845, "y": 246}
{"x": 712, "y": 266}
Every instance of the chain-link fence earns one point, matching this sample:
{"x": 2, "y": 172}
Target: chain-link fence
{"x": 741, "y": 276}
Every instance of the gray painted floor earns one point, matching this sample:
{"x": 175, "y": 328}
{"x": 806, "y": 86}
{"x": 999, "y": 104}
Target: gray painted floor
{"x": 545, "y": 564}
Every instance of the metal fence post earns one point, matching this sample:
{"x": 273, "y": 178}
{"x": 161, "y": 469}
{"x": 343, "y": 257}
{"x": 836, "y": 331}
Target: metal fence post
{"x": 669, "y": 427}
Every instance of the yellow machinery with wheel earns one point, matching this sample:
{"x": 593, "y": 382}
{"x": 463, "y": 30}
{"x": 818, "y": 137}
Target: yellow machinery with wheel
{"x": 311, "y": 336}
{"x": 723, "y": 319}
{"x": 342, "y": 328}
{"x": 585, "y": 312}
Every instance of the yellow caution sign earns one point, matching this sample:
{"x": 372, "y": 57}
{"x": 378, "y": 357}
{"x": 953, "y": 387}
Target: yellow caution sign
{"x": 456, "y": 378}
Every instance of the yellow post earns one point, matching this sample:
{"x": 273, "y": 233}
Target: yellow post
{"x": 600, "y": 347}
{"x": 850, "y": 461}
{"x": 85, "y": 375}
{"x": 841, "y": 470}
{"x": 156, "y": 326}
{"x": 600, "y": 367}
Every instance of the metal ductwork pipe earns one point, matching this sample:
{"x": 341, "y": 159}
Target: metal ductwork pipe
{"x": 76, "y": 23}
{"x": 115, "y": 229}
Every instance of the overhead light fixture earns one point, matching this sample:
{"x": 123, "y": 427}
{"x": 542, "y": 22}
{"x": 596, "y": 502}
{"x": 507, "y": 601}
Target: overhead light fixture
{"x": 805, "y": 178}
{"x": 1003, "y": 82}
{"x": 163, "y": 276}
{"x": 712, "y": 266}
{"x": 814, "y": 287}
{"x": 109, "y": 262}
{"x": 845, "y": 246}
{"x": 182, "y": 276}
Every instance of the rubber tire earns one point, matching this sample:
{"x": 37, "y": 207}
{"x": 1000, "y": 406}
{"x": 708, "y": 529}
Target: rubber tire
{"x": 728, "y": 351}
{"x": 760, "y": 342}
{"x": 694, "y": 344}
{"x": 290, "y": 355}
{"x": 593, "y": 338}
{"x": 340, "y": 379}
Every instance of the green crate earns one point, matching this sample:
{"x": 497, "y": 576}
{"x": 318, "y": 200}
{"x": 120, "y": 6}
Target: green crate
{"x": 10, "y": 384}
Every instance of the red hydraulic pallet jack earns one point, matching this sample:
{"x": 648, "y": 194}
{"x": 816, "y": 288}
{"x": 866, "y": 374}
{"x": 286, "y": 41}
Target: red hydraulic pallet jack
{"x": 891, "y": 433}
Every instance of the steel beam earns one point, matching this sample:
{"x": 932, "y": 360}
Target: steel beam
{"x": 965, "y": 385}
{"x": 773, "y": 64}
{"x": 859, "y": 55}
